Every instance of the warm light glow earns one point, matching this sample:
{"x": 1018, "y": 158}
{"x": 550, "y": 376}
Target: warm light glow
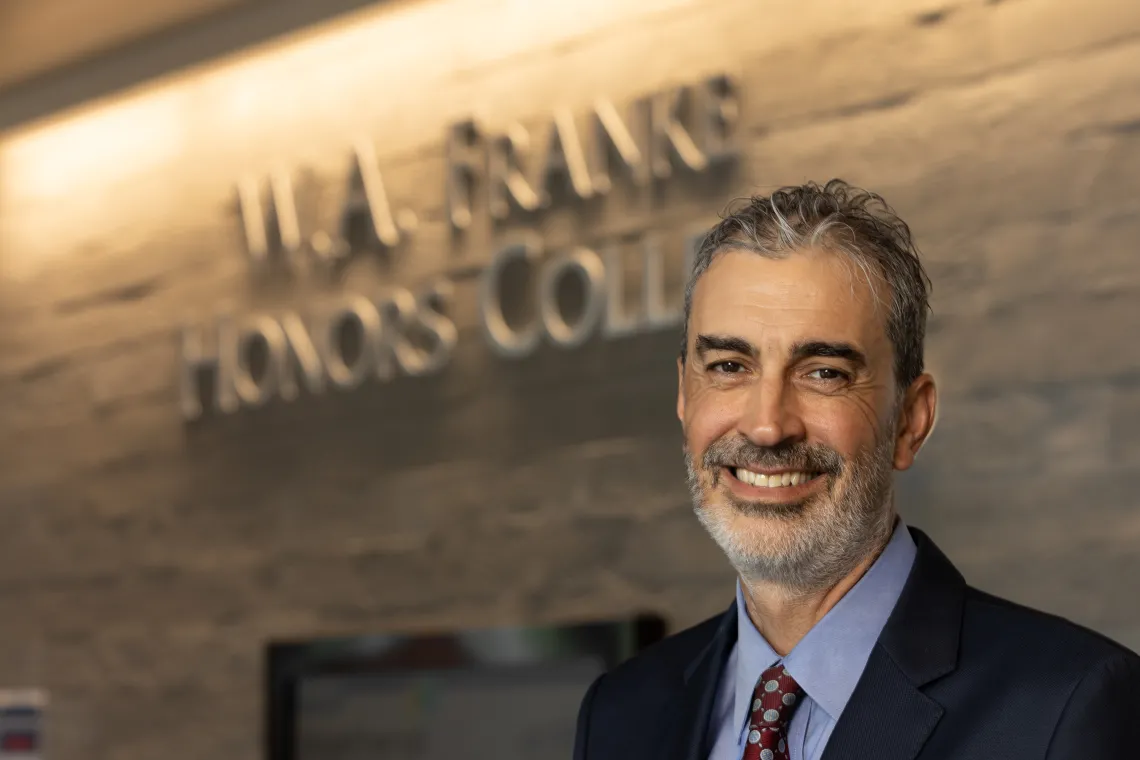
{"x": 353, "y": 70}
{"x": 383, "y": 72}
{"x": 169, "y": 152}
{"x": 135, "y": 135}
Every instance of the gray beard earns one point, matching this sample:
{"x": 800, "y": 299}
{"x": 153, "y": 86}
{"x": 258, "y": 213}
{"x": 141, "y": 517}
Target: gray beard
{"x": 840, "y": 531}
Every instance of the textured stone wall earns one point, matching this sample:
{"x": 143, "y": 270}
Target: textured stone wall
{"x": 144, "y": 563}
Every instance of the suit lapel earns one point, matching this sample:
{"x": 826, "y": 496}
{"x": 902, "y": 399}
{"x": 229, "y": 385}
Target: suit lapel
{"x": 888, "y": 716}
{"x": 687, "y": 729}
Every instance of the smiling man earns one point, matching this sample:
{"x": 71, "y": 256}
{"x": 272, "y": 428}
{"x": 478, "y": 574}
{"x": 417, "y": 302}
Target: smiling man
{"x": 801, "y": 391}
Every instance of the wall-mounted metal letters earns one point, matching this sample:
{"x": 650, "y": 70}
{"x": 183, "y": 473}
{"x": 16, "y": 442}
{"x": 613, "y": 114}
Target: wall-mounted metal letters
{"x": 683, "y": 131}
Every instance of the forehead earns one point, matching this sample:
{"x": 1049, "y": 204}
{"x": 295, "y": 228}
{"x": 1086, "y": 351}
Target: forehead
{"x": 808, "y": 294}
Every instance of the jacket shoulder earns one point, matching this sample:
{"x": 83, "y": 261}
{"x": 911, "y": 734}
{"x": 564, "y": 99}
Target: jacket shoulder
{"x": 1021, "y": 635}
{"x": 665, "y": 660}
{"x": 627, "y": 703}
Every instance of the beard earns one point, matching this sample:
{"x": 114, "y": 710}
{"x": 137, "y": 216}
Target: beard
{"x": 802, "y": 546}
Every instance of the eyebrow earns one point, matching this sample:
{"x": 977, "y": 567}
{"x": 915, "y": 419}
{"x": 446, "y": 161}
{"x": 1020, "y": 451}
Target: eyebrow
{"x": 709, "y": 343}
{"x": 822, "y": 348}
{"x": 802, "y": 350}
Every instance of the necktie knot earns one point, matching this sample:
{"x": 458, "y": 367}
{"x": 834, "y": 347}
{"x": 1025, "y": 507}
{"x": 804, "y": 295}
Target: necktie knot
{"x": 773, "y": 703}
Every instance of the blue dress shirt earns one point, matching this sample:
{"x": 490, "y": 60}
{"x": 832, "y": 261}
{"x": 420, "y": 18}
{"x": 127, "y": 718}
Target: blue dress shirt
{"x": 826, "y": 663}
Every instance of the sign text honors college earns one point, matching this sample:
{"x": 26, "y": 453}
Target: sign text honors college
{"x": 577, "y": 158}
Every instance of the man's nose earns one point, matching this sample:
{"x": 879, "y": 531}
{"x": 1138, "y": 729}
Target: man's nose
{"x": 771, "y": 415}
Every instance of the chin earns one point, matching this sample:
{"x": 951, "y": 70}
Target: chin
{"x": 740, "y": 529}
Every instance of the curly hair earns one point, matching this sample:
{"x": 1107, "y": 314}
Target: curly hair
{"x": 844, "y": 219}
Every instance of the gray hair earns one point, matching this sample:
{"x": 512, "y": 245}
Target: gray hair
{"x": 842, "y": 219}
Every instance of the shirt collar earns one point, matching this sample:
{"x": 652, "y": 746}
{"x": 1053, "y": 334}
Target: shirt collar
{"x": 829, "y": 660}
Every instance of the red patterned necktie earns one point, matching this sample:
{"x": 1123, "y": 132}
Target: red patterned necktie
{"x": 773, "y": 703}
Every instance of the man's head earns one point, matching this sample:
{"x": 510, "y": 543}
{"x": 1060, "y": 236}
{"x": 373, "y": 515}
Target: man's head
{"x": 801, "y": 380}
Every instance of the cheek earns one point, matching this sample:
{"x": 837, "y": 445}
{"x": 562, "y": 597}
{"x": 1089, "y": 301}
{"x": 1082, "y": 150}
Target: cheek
{"x": 841, "y": 425}
{"x": 708, "y": 416}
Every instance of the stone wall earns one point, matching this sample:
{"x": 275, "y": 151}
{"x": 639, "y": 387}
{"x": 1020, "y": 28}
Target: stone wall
{"x": 145, "y": 563}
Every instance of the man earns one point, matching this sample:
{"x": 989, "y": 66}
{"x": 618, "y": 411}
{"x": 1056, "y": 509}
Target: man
{"x": 852, "y": 636}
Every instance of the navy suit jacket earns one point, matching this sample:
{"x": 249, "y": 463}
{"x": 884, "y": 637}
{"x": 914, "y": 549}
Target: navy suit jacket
{"x": 957, "y": 674}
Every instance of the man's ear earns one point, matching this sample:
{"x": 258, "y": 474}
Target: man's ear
{"x": 680, "y": 389}
{"x": 916, "y": 420}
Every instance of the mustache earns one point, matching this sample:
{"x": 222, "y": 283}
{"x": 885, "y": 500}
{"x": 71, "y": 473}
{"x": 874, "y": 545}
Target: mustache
{"x": 738, "y": 451}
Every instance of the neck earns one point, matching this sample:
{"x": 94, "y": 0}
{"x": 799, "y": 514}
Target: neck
{"x": 784, "y": 616}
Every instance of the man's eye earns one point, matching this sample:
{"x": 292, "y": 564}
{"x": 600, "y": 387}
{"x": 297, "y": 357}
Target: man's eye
{"x": 726, "y": 368}
{"x": 827, "y": 373}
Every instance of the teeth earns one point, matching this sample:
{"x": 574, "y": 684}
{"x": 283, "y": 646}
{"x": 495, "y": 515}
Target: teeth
{"x": 780, "y": 480}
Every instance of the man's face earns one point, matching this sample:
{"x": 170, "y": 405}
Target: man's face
{"x": 788, "y": 403}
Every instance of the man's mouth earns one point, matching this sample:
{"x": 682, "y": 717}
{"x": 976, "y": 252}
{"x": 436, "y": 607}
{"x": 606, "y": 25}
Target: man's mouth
{"x": 781, "y": 479}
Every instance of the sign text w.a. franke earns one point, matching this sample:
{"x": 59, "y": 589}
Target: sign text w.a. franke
{"x": 246, "y": 361}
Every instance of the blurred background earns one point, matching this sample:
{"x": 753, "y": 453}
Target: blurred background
{"x": 213, "y": 439}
